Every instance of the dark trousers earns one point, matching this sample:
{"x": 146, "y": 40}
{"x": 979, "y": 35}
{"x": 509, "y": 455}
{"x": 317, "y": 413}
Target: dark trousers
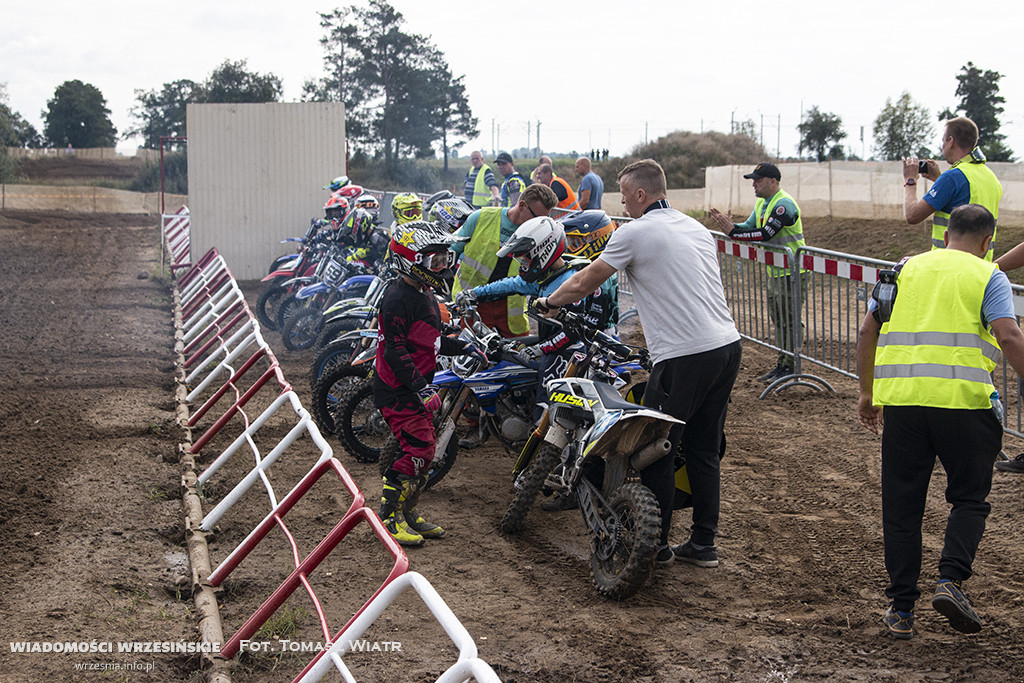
{"x": 694, "y": 389}
{"x": 966, "y": 443}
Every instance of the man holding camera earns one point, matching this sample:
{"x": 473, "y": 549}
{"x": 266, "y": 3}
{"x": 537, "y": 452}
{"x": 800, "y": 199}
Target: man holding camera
{"x": 967, "y": 181}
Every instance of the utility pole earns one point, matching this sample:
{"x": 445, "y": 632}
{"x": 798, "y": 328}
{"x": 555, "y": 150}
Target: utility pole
{"x": 646, "y": 124}
{"x": 493, "y": 148}
{"x": 538, "y": 137}
{"x": 528, "y": 125}
{"x": 778, "y": 140}
{"x": 499, "y": 140}
{"x": 762, "y": 130}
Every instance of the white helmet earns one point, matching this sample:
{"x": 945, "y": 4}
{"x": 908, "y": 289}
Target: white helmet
{"x": 450, "y": 213}
{"x": 536, "y": 244}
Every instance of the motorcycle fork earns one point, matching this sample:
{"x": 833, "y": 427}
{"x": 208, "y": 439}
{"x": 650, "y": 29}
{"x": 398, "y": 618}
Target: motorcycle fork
{"x": 537, "y": 435}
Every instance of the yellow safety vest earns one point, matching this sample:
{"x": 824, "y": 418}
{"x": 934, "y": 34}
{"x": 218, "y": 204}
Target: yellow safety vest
{"x": 481, "y": 191}
{"x": 934, "y": 351}
{"x": 985, "y": 190}
{"x": 791, "y": 236}
{"x": 479, "y": 262}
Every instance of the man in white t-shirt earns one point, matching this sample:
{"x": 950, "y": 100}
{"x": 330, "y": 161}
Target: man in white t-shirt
{"x": 672, "y": 265}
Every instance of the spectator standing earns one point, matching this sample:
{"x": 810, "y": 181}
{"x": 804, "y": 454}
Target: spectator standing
{"x": 545, "y": 175}
{"x": 484, "y": 232}
{"x": 775, "y": 220}
{"x": 672, "y": 264}
{"x": 544, "y": 159}
{"x": 514, "y": 183}
{"x": 968, "y": 180}
{"x": 591, "y": 187}
{"x": 925, "y": 360}
{"x": 481, "y": 189}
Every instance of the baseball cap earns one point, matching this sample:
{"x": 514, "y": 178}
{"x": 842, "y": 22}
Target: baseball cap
{"x": 504, "y": 157}
{"x": 765, "y": 170}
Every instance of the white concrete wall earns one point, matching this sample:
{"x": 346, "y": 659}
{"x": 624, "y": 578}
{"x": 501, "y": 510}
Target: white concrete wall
{"x": 848, "y": 189}
{"x": 256, "y": 173}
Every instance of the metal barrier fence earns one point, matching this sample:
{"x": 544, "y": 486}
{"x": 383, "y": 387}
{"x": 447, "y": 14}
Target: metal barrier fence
{"x": 223, "y": 353}
{"x": 177, "y": 239}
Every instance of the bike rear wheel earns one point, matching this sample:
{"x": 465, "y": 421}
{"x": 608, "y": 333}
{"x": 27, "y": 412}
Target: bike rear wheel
{"x": 301, "y": 329}
{"x": 620, "y": 565}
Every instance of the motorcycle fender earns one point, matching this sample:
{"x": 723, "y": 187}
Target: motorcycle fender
{"x": 278, "y": 274}
{"x": 446, "y": 378}
{"x": 645, "y": 425}
{"x": 310, "y": 290}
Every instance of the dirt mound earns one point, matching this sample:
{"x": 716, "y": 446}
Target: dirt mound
{"x": 49, "y": 170}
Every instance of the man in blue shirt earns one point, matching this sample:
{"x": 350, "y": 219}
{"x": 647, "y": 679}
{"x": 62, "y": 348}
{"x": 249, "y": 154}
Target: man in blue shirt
{"x": 968, "y": 181}
{"x": 591, "y": 186}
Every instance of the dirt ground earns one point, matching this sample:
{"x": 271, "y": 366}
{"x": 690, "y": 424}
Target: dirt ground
{"x": 93, "y": 541}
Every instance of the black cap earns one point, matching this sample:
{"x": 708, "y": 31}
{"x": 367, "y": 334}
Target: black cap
{"x": 504, "y": 157}
{"x": 765, "y": 170}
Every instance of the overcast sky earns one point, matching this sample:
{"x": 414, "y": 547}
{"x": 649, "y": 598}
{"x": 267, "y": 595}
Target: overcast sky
{"x": 596, "y": 74}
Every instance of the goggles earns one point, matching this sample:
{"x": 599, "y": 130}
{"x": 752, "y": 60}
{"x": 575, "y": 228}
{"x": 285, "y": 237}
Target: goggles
{"x": 438, "y": 260}
{"x": 576, "y": 241}
{"x": 524, "y": 261}
{"x": 409, "y": 213}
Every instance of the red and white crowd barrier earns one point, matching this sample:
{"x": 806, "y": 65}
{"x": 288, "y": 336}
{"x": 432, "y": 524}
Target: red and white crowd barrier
{"x": 224, "y": 355}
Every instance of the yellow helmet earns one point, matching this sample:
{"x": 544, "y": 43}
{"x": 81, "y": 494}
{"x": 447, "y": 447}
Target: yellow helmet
{"x": 406, "y": 207}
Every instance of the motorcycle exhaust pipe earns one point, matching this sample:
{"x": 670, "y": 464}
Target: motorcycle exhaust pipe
{"x": 651, "y": 453}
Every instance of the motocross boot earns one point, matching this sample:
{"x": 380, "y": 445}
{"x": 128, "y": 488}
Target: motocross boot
{"x": 410, "y": 497}
{"x": 391, "y": 511}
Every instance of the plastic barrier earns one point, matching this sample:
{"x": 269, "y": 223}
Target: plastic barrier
{"x": 177, "y": 232}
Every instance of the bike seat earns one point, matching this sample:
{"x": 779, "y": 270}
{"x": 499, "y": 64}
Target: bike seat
{"x": 611, "y": 398}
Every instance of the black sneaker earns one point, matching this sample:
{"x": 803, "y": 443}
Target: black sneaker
{"x": 771, "y": 375}
{"x": 664, "y": 556}
{"x": 706, "y": 556}
{"x": 900, "y": 624}
{"x": 951, "y": 602}
{"x": 777, "y": 373}
{"x": 1015, "y": 465}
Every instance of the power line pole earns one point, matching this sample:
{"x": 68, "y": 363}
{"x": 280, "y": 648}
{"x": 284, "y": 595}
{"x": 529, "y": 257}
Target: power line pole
{"x": 538, "y": 137}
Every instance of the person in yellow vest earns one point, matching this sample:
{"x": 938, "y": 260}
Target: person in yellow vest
{"x": 967, "y": 181}
{"x": 486, "y": 230}
{"x": 775, "y": 220}
{"x": 545, "y": 175}
{"x": 481, "y": 188}
{"x": 925, "y": 354}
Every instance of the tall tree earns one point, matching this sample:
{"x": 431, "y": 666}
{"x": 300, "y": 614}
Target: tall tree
{"x": 233, "y": 82}
{"x": 902, "y": 129}
{"x": 981, "y": 102}
{"x": 399, "y": 94}
{"x": 78, "y": 116}
{"x": 162, "y": 113}
{"x": 822, "y": 134}
{"x": 452, "y": 115}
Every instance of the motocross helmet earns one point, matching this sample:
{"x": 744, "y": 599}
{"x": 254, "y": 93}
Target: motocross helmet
{"x": 536, "y": 244}
{"x": 406, "y": 207}
{"x": 351, "y": 191}
{"x": 419, "y": 249}
{"x": 436, "y": 197}
{"x": 357, "y": 227}
{"x": 336, "y": 208}
{"x": 338, "y": 183}
{"x": 450, "y": 213}
{"x": 587, "y": 232}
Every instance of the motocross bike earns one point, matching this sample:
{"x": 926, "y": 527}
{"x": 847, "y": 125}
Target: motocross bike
{"x": 280, "y": 262}
{"x": 339, "y": 379}
{"x": 339, "y": 279}
{"x": 504, "y": 393}
{"x": 590, "y": 428}
{"x": 285, "y": 281}
{"x": 462, "y": 386}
